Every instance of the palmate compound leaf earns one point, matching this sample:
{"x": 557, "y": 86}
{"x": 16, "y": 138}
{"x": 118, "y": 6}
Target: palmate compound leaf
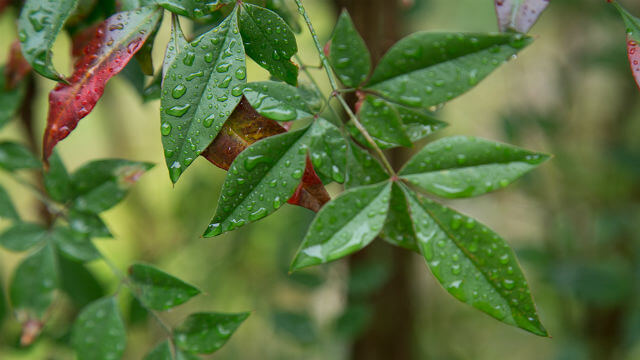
{"x": 632, "y": 24}
{"x": 201, "y": 88}
{"x": 472, "y": 263}
{"x": 362, "y": 168}
{"x": 348, "y": 53}
{"x": 38, "y": 26}
{"x": 205, "y": 333}
{"x": 269, "y": 41}
{"x": 99, "y": 332}
{"x": 463, "y": 166}
{"x": 398, "y": 228}
{"x": 277, "y": 101}
{"x": 159, "y": 290}
{"x": 519, "y": 15}
{"x": 115, "y": 41}
{"x": 345, "y": 225}
{"x": 427, "y": 69}
{"x": 266, "y": 174}
{"x": 34, "y": 282}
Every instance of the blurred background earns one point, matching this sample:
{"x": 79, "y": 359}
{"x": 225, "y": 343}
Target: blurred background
{"x": 573, "y": 222}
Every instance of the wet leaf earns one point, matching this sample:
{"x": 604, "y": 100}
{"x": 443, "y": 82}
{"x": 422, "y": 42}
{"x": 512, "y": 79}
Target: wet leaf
{"x": 462, "y": 166}
{"x": 277, "y": 101}
{"x": 328, "y": 150}
{"x": 473, "y": 263}
{"x": 177, "y": 43}
{"x": 158, "y": 290}
{"x": 310, "y": 193}
{"x": 519, "y": 15}
{"x": 348, "y": 54}
{"x": 632, "y": 24}
{"x": 38, "y": 27}
{"x": 417, "y": 124}
{"x": 205, "y": 333}
{"x": 427, "y": 69}
{"x": 383, "y": 123}
{"x": 22, "y": 236}
{"x": 88, "y": 224}
{"x": 34, "y": 282}
{"x": 201, "y": 88}
{"x": 280, "y": 7}
{"x": 14, "y": 156}
{"x": 7, "y": 210}
{"x": 75, "y": 246}
{"x": 345, "y": 225}
{"x": 115, "y": 41}
{"x": 160, "y": 352}
{"x": 398, "y": 228}
{"x": 57, "y": 181}
{"x": 362, "y": 168}
{"x": 98, "y": 332}
{"x": 193, "y": 8}
{"x": 144, "y": 54}
{"x": 269, "y": 41}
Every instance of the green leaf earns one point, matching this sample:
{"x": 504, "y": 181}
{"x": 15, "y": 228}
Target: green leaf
{"x": 7, "y": 210}
{"x": 383, "y": 123}
{"x": 78, "y": 283}
{"x": 463, "y": 166}
{"x": 87, "y": 224}
{"x": 473, "y": 263}
{"x": 328, "y": 150}
{"x": 22, "y": 236}
{"x": 200, "y": 90}
{"x": 416, "y": 124}
{"x": 345, "y": 225}
{"x": 193, "y": 9}
{"x": 99, "y": 333}
{"x": 269, "y": 41}
{"x": 205, "y": 333}
{"x": 277, "y": 101}
{"x": 74, "y": 245}
{"x": 398, "y": 228}
{"x": 159, "y": 290}
{"x": 153, "y": 90}
{"x": 348, "y": 53}
{"x": 298, "y": 326}
{"x": 3, "y": 303}
{"x": 10, "y": 99}
{"x": 144, "y": 54}
{"x": 183, "y": 355}
{"x": 280, "y": 7}
{"x": 14, "y": 156}
{"x": 160, "y": 352}
{"x": 427, "y": 69}
{"x": 38, "y": 26}
{"x": 177, "y": 43}
{"x": 101, "y": 184}
{"x": 362, "y": 168}
{"x": 57, "y": 181}
{"x": 34, "y": 282}
{"x": 631, "y": 22}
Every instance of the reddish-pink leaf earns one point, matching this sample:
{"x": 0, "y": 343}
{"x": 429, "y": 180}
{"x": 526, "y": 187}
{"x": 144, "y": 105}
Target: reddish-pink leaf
{"x": 17, "y": 67}
{"x": 311, "y": 193}
{"x": 519, "y": 15}
{"x": 81, "y": 39}
{"x": 633, "y": 50}
{"x": 113, "y": 44}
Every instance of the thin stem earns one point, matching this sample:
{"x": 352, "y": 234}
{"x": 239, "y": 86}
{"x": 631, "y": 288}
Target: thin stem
{"x": 52, "y": 207}
{"x": 337, "y": 93}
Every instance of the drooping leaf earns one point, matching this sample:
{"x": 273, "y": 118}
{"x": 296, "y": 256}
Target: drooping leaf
{"x": 297, "y": 326}
{"x": 205, "y": 333}
{"x": 201, "y": 89}
{"x": 519, "y": 15}
{"x": 38, "y": 26}
{"x": 34, "y": 282}
{"x": 632, "y": 24}
{"x": 473, "y": 263}
{"x": 115, "y": 41}
{"x": 87, "y": 224}
{"x": 280, "y": 7}
{"x": 277, "y": 101}
{"x": 57, "y": 181}
{"x": 14, "y": 156}
{"x": 269, "y": 41}
{"x": 101, "y": 184}
{"x": 10, "y": 98}
{"x": 17, "y": 67}
{"x": 98, "y": 332}
{"x": 22, "y": 236}
{"x": 362, "y": 168}
{"x": 463, "y": 166}
{"x": 159, "y": 290}
{"x": 345, "y": 225}
{"x": 398, "y": 228}
{"x": 383, "y": 123}
{"x": 160, "y": 352}
{"x": 75, "y": 246}
{"x": 79, "y": 283}
{"x": 7, "y": 210}
{"x": 427, "y": 69}
{"x": 193, "y": 8}
{"x": 348, "y": 53}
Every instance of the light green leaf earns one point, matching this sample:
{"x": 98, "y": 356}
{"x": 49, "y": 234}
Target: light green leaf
{"x": 205, "y": 333}
{"x": 98, "y": 332}
{"x": 269, "y": 41}
{"x": 7, "y": 210}
{"x": 22, "y": 236}
{"x": 159, "y": 290}
{"x": 277, "y": 101}
{"x": 345, "y": 225}
{"x": 398, "y": 228}
{"x": 463, "y": 166}
{"x": 362, "y": 168}
{"x": 10, "y": 99}
{"x": 160, "y": 352}
{"x": 427, "y": 69}
{"x": 14, "y": 156}
{"x": 201, "y": 88}
{"x": 75, "y": 246}
{"x": 473, "y": 263}
{"x": 38, "y": 27}
{"x": 57, "y": 181}
{"x": 348, "y": 53}
{"x": 34, "y": 282}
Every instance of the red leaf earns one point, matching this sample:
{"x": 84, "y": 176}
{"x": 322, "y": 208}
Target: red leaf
{"x": 519, "y": 15}
{"x": 634, "y": 58}
{"x": 113, "y": 44}
{"x": 311, "y": 193}
{"x": 17, "y": 67}
{"x": 82, "y": 38}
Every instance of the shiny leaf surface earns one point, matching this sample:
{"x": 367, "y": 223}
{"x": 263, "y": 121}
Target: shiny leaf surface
{"x": 519, "y": 15}
{"x": 632, "y": 24}
{"x": 177, "y": 43}
{"x": 348, "y": 54}
{"x": 205, "y": 333}
{"x": 192, "y": 8}
{"x": 383, "y": 123}
{"x": 398, "y": 228}
{"x": 98, "y": 332}
{"x": 34, "y": 282}
{"x": 159, "y": 290}
{"x": 416, "y": 124}
{"x": 362, "y": 168}
{"x": 277, "y": 101}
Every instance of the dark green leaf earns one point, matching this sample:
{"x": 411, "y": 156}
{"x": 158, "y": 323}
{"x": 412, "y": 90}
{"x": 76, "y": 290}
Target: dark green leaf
{"x": 7, "y": 210}
{"x": 383, "y": 123}
{"x": 14, "y": 156}
{"x": 101, "y": 184}
{"x": 144, "y": 54}
{"x": 22, "y": 236}
{"x": 74, "y": 245}
{"x": 631, "y": 22}
{"x": 463, "y": 166}
{"x": 160, "y": 352}
{"x": 367, "y": 277}
{"x": 205, "y": 333}
{"x": 200, "y": 90}
{"x": 159, "y": 290}
{"x": 473, "y": 263}
{"x": 10, "y": 99}
{"x": 280, "y": 7}
{"x": 153, "y": 90}
{"x": 38, "y": 26}
{"x": 362, "y": 168}
{"x": 99, "y": 333}
{"x": 34, "y": 282}
{"x": 398, "y": 229}
{"x": 183, "y": 355}
{"x": 177, "y": 43}
{"x": 269, "y": 41}
{"x": 328, "y": 150}
{"x": 345, "y": 225}
{"x": 353, "y": 321}
{"x": 134, "y": 75}
{"x": 296, "y": 325}
{"x": 192, "y": 8}
{"x": 427, "y": 69}
{"x": 348, "y": 53}
{"x": 418, "y": 125}
{"x": 87, "y": 224}
{"x": 277, "y": 101}
{"x": 57, "y": 181}
{"x": 79, "y": 283}
{"x": 3, "y": 303}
